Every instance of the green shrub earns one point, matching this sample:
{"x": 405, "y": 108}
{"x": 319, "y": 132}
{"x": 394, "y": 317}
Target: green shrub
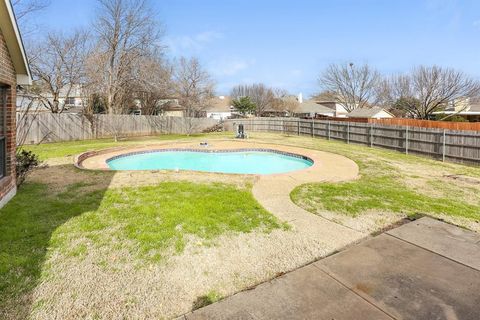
{"x": 25, "y": 162}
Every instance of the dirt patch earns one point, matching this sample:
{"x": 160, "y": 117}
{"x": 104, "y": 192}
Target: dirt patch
{"x": 140, "y": 178}
{"x": 368, "y": 222}
{"x": 60, "y": 176}
{"x": 87, "y": 288}
{"x": 464, "y": 178}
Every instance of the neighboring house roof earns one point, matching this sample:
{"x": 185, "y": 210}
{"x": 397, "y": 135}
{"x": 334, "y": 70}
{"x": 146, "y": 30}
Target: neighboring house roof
{"x": 290, "y": 98}
{"x": 366, "y": 112}
{"x": 335, "y": 106}
{"x": 332, "y": 105}
{"x": 472, "y": 107}
{"x": 68, "y": 91}
{"x": 172, "y": 106}
{"x": 13, "y": 39}
{"x": 311, "y": 106}
{"x": 219, "y": 104}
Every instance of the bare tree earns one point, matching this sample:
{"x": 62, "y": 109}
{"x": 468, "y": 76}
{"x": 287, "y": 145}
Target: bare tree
{"x": 429, "y": 89}
{"x": 194, "y": 86}
{"x": 354, "y": 87}
{"x": 27, "y": 113}
{"x": 154, "y": 83}
{"x": 324, "y": 96}
{"x": 285, "y": 102}
{"x": 262, "y": 96}
{"x": 25, "y": 8}
{"x": 127, "y": 31}
{"x": 58, "y": 67}
{"x": 25, "y": 11}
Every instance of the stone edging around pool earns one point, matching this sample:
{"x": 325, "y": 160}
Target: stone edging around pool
{"x": 290, "y": 154}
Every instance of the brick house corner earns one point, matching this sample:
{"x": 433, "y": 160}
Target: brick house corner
{"x": 14, "y": 71}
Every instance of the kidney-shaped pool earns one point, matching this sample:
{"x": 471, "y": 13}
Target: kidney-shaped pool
{"x": 261, "y": 161}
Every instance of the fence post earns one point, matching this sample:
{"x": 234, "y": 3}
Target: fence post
{"x": 348, "y": 132}
{"x": 313, "y": 128}
{"x": 444, "y": 144}
{"x": 371, "y": 134}
{"x": 298, "y": 127}
{"x": 328, "y": 130}
{"x": 406, "y": 140}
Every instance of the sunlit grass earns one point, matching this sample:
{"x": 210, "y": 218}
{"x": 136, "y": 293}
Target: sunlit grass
{"x": 69, "y": 148}
{"x": 378, "y": 193}
{"x": 156, "y": 217}
{"x": 383, "y": 186}
{"x": 150, "y": 221}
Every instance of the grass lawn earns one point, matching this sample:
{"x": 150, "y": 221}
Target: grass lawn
{"x": 382, "y": 189}
{"x": 73, "y": 218}
{"x": 81, "y": 244}
{"x": 391, "y": 184}
{"x": 61, "y": 149}
{"x": 151, "y": 219}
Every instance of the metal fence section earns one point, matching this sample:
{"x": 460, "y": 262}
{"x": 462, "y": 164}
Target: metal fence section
{"x": 48, "y": 127}
{"x": 442, "y": 144}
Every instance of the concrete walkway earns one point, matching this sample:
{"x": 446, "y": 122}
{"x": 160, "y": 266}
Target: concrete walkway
{"x": 425, "y": 269}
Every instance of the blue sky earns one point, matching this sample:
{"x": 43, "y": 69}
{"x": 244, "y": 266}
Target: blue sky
{"x": 288, "y": 43}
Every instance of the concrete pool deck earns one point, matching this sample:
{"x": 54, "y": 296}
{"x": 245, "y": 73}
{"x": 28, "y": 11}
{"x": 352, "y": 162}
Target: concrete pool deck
{"x": 327, "y": 166}
{"x": 426, "y": 269}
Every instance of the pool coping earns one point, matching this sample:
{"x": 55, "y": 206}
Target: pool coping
{"x": 264, "y": 150}
{"x": 123, "y": 151}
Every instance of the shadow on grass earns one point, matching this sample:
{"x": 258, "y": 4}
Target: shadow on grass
{"x": 27, "y": 223}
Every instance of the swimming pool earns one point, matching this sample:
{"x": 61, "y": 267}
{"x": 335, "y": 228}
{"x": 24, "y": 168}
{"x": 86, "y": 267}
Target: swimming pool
{"x": 262, "y": 161}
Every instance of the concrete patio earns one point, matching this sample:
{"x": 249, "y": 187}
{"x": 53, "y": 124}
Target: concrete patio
{"x": 426, "y": 269}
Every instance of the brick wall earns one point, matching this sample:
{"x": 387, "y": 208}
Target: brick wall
{"x": 8, "y": 79}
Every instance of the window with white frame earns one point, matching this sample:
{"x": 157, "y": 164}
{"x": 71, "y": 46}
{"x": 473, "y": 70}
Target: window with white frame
{"x": 70, "y": 101}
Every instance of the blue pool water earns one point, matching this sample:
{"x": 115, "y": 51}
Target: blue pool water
{"x": 246, "y": 162}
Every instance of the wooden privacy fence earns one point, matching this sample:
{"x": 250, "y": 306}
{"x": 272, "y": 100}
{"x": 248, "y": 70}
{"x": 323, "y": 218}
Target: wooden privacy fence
{"x": 48, "y": 127}
{"x": 449, "y": 125}
{"x": 459, "y": 146}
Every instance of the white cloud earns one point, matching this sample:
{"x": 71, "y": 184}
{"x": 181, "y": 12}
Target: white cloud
{"x": 192, "y": 43}
{"x": 296, "y": 72}
{"x": 208, "y": 36}
{"x": 230, "y": 67}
